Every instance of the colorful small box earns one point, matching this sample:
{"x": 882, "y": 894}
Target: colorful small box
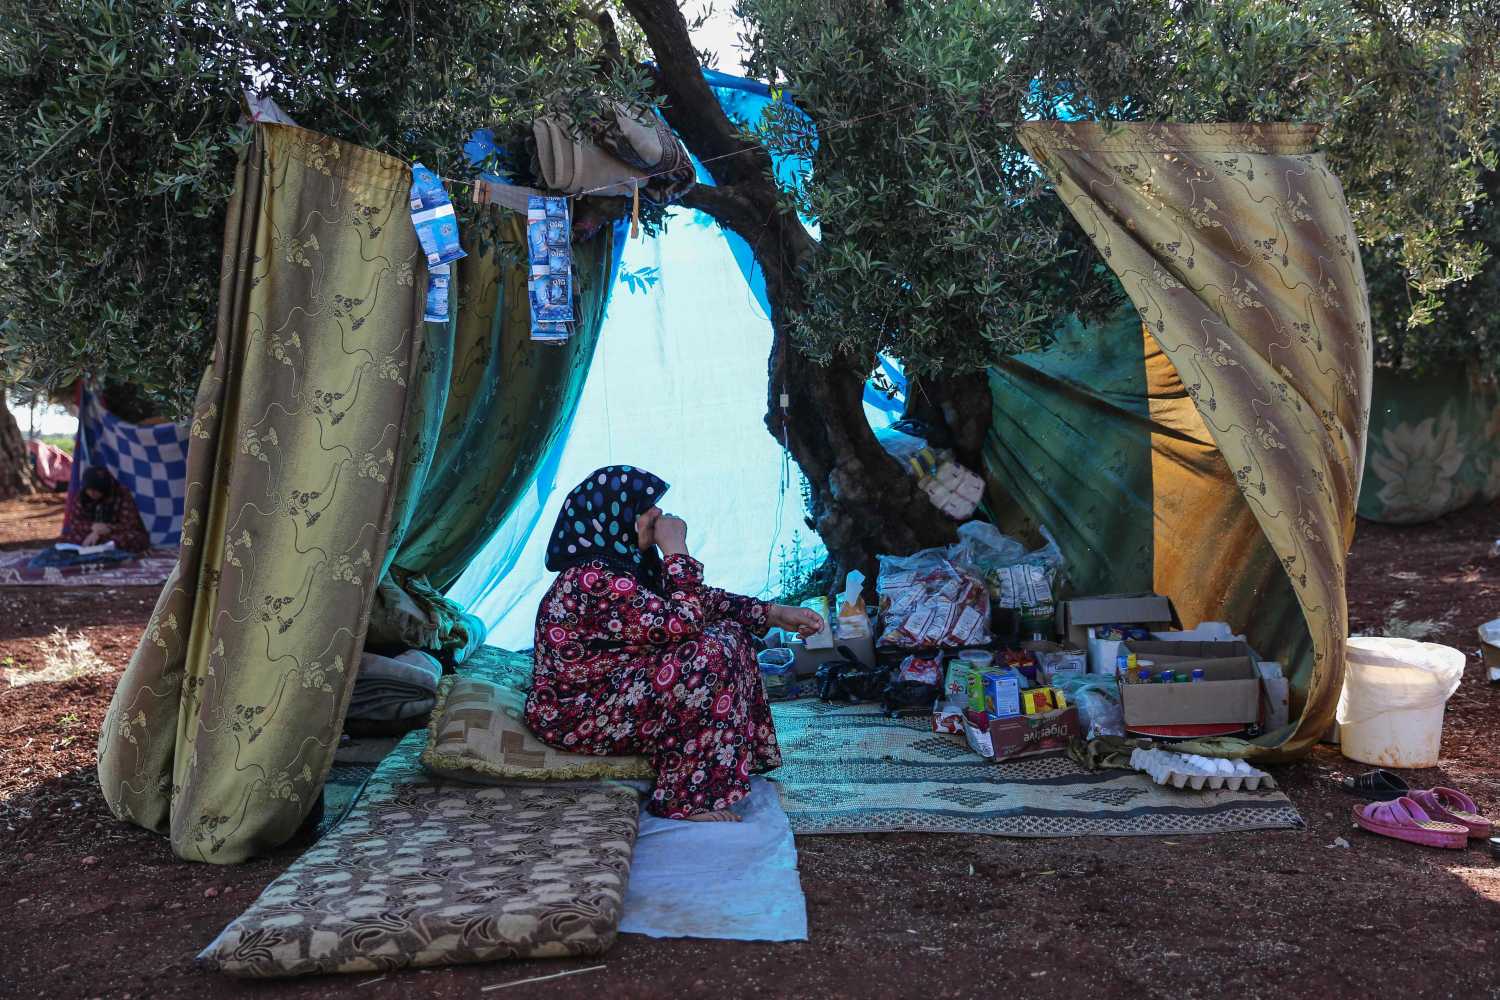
{"x": 1002, "y": 695}
{"x": 956, "y": 684}
{"x": 976, "y": 691}
{"x": 1039, "y": 701}
{"x": 1036, "y": 701}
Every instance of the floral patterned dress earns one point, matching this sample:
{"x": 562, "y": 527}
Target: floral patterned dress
{"x": 621, "y": 669}
{"x": 118, "y": 510}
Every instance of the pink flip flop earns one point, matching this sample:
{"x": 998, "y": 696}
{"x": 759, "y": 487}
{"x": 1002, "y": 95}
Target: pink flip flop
{"x": 1404, "y": 819}
{"x": 1452, "y": 806}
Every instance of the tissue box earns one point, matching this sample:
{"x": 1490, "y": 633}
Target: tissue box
{"x": 1057, "y": 663}
{"x": 857, "y": 638}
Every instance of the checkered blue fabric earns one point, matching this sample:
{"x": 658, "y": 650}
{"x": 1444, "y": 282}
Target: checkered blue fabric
{"x": 149, "y": 460}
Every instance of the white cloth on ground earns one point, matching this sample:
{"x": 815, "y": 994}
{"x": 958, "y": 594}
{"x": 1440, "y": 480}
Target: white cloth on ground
{"x": 734, "y": 881}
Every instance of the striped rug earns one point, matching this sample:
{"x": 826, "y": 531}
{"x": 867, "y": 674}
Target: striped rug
{"x": 849, "y": 769}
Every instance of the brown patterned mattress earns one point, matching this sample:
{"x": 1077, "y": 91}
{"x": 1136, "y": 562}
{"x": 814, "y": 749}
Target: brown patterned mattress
{"x": 425, "y": 871}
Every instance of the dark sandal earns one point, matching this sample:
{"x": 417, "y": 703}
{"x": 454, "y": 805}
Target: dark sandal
{"x": 1379, "y": 785}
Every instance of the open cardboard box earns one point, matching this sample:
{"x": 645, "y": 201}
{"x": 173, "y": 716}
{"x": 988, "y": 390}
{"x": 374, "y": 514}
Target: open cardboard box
{"x": 1076, "y": 619}
{"x": 1021, "y": 735}
{"x": 1228, "y": 694}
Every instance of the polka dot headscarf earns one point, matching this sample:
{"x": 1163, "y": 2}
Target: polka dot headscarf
{"x": 597, "y": 521}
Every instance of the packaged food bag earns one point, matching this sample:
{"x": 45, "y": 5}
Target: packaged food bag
{"x": 929, "y": 603}
{"x": 921, "y": 669}
{"x": 1016, "y": 578}
{"x": 853, "y": 623}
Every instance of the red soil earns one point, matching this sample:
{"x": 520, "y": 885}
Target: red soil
{"x": 92, "y": 907}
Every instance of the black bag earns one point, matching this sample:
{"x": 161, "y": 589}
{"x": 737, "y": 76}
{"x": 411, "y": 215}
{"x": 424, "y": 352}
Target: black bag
{"x": 908, "y": 696}
{"x": 849, "y": 680}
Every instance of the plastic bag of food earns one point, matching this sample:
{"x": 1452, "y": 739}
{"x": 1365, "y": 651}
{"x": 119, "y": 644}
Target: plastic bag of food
{"x": 982, "y": 547}
{"x": 1016, "y": 578}
{"x": 1097, "y": 698}
{"x": 921, "y": 669}
{"x": 930, "y": 603}
{"x": 899, "y": 445}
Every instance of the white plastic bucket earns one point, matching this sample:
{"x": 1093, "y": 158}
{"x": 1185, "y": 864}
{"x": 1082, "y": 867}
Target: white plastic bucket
{"x": 1390, "y": 712}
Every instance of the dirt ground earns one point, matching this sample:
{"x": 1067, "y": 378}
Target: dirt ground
{"x": 94, "y": 908}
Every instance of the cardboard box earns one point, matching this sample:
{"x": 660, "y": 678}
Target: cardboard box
{"x": 1021, "y": 736}
{"x": 948, "y": 715}
{"x": 1076, "y": 619}
{"x": 1229, "y": 694}
{"x": 1278, "y": 692}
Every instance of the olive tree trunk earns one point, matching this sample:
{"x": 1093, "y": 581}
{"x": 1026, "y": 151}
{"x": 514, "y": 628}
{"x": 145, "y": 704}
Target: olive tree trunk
{"x": 15, "y": 462}
{"x": 862, "y": 502}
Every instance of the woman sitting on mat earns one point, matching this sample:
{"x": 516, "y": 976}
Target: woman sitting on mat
{"x": 634, "y": 654}
{"x": 106, "y": 511}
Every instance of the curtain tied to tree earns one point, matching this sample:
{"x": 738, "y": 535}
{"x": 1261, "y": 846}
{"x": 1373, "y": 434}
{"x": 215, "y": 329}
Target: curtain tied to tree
{"x": 1234, "y": 242}
{"x": 335, "y": 435}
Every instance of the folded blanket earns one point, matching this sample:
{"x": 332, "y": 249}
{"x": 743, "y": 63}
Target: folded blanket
{"x": 388, "y": 688}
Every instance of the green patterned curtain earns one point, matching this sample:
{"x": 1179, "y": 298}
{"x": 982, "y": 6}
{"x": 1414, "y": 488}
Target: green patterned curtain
{"x": 341, "y": 448}
{"x": 1096, "y": 438}
{"x": 1070, "y": 444}
{"x": 1434, "y": 444}
{"x": 494, "y": 403}
{"x": 224, "y": 724}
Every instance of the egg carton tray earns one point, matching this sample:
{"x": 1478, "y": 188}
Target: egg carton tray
{"x": 1189, "y": 771}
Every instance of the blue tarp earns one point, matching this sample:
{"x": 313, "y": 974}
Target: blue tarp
{"x": 678, "y": 386}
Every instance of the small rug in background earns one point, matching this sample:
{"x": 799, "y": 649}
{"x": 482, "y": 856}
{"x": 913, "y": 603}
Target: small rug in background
{"x": 340, "y": 791}
{"x": 849, "y": 769}
{"x": 151, "y": 570}
{"x": 731, "y": 881}
{"x": 353, "y": 763}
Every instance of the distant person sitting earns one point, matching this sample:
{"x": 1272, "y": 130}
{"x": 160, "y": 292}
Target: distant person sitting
{"x": 105, "y": 512}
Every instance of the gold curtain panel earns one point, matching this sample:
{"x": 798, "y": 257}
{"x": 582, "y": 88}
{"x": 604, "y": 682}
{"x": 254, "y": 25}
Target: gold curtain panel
{"x": 224, "y": 725}
{"x": 1234, "y": 242}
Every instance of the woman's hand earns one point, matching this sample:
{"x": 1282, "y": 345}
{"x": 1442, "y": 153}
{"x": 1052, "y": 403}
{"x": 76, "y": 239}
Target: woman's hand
{"x": 803, "y": 621}
{"x": 670, "y": 535}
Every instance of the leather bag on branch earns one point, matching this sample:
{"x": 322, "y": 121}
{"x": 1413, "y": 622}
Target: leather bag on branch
{"x": 611, "y": 154}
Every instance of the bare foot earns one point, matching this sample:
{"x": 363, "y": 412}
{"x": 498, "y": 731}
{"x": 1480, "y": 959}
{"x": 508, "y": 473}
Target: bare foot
{"x": 722, "y": 816}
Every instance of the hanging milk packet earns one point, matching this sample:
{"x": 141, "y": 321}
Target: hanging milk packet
{"x": 549, "y": 248}
{"x": 432, "y": 215}
{"x": 436, "y": 308}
